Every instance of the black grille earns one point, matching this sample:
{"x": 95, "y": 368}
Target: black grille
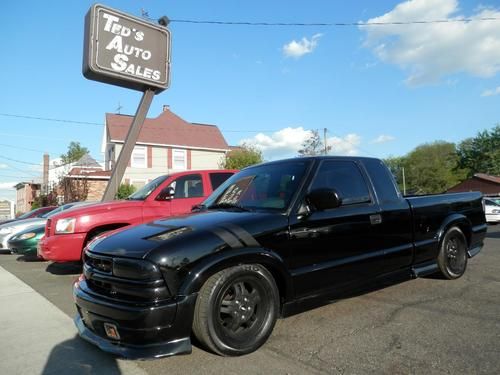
{"x": 98, "y": 271}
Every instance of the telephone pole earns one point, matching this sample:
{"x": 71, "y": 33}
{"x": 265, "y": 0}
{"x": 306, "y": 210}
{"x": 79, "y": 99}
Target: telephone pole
{"x": 324, "y": 140}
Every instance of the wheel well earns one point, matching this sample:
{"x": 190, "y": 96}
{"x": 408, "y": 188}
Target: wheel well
{"x": 104, "y": 228}
{"x": 467, "y": 231}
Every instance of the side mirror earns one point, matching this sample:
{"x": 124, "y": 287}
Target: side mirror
{"x": 166, "y": 194}
{"x": 324, "y": 199}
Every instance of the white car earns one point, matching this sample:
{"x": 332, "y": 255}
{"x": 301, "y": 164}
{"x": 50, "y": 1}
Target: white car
{"x": 7, "y": 231}
{"x": 492, "y": 211}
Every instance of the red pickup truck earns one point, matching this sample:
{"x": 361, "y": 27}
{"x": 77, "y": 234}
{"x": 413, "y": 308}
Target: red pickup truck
{"x": 67, "y": 233}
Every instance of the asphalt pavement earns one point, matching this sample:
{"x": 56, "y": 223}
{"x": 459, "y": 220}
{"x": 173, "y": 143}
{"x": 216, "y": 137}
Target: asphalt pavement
{"x": 422, "y": 326}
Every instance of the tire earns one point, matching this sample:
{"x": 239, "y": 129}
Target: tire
{"x": 452, "y": 258}
{"x": 236, "y": 310}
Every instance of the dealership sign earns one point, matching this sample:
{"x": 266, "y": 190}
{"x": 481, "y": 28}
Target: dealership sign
{"x": 126, "y": 51}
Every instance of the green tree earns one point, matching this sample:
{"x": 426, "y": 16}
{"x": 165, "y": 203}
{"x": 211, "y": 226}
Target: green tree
{"x": 242, "y": 157}
{"x": 396, "y": 166}
{"x": 75, "y": 152}
{"x": 313, "y": 145}
{"x": 124, "y": 191}
{"x": 432, "y": 168}
{"x": 481, "y": 154}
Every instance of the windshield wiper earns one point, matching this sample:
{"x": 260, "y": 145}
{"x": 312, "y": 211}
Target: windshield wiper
{"x": 229, "y": 205}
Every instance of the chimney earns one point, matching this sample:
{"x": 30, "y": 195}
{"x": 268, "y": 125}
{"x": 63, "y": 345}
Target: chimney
{"x": 45, "y": 183}
{"x": 166, "y": 107}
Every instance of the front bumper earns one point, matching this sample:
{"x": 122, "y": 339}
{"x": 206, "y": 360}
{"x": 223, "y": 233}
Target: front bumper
{"x": 146, "y": 331}
{"x": 62, "y": 247}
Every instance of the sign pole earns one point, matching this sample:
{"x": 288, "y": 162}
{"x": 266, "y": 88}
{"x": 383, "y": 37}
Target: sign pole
{"x": 128, "y": 146}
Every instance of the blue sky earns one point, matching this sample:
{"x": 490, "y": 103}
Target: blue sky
{"x": 379, "y": 90}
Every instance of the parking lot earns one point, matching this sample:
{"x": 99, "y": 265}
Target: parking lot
{"x": 423, "y": 326}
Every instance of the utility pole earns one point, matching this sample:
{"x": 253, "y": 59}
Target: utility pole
{"x": 404, "y": 181}
{"x": 324, "y": 140}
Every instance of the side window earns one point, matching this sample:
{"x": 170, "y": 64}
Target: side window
{"x": 189, "y": 186}
{"x": 216, "y": 179}
{"x": 346, "y": 178}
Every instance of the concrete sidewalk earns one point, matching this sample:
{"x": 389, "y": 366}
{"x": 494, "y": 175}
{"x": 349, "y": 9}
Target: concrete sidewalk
{"x": 37, "y": 338}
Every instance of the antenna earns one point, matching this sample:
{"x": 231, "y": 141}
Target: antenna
{"x": 119, "y": 108}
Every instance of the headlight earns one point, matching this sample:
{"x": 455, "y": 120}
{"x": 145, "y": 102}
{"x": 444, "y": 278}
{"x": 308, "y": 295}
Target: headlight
{"x": 6, "y": 230}
{"x": 495, "y": 211}
{"x": 26, "y": 236}
{"x": 65, "y": 225}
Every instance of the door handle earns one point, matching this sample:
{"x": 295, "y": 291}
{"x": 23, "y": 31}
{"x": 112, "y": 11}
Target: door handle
{"x": 375, "y": 219}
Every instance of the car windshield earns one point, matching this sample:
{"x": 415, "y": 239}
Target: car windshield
{"x": 28, "y": 214}
{"x": 491, "y": 202}
{"x": 268, "y": 187}
{"x": 147, "y": 189}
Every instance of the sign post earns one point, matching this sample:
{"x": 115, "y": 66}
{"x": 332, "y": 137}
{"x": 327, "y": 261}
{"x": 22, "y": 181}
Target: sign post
{"x": 130, "y": 52}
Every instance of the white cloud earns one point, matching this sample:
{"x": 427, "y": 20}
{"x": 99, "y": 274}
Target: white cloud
{"x": 4, "y": 166}
{"x": 283, "y": 143}
{"x": 302, "y": 47}
{"x": 383, "y": 138}
{"x": 7, "y": 185}
{"x": 288, "y": 141}
{"x": 347, "y": 145}
{"x": 429, "y": 52}
{"x": 492, "y": 92}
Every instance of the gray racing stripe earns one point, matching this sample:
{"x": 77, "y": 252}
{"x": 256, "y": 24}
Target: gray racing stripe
{"x": 227, "y": 237}
{"x": 242, "y": 234}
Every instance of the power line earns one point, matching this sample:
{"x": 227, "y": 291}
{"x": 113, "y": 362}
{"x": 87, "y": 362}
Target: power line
{"x": 20, "y": 161}
{"x": 52, "y": 119}
{"x": 330, "y": 24}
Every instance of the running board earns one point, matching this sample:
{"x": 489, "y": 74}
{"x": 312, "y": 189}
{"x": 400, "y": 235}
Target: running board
{"x": 424, "y": 269}
{"x": 474, "y": 251}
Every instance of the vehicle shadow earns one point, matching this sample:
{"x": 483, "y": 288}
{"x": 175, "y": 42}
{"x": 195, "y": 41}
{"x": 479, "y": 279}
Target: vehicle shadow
{"x": 495, "y": 235}
{"x": 29, "y": 258}
{"x": 64, "y": 268}
{"x": 76, "y": 356}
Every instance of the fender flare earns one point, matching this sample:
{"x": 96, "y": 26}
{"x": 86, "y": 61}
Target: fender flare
{"x": 196, "y": 276}
{"x": 459, "y": 220}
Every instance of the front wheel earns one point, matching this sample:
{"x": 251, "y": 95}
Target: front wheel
{"x": 236, "y": 310}
{"x": 452, "y": 258}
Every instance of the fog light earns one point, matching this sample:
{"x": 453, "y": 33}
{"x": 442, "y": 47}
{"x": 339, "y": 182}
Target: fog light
{"x": 111, "y": 331}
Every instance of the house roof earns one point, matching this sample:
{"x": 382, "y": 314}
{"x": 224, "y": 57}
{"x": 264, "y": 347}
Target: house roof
{"x": 87, "y": 161}
{"x": 91, "y": 174}
{"x": 487, "y": 177}
{"x": 167, "y": 129}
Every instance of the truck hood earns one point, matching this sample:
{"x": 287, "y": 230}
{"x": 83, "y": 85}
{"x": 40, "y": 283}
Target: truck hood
{"x": 183, "y": 239}
{"x": 96, "y": 208}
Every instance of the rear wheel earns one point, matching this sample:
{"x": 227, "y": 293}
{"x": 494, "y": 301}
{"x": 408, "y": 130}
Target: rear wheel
{"x": 236, "y": 310}
{"x": 452, "y": 258}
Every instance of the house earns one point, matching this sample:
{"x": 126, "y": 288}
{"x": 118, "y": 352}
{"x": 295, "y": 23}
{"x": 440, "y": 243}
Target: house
{"x": 83, "y": 180}
{"x": 26, "y": 192}
{"x": 6, "y": 210}
{"x": 486, "y": 184}
{"x": 166, "y": 144}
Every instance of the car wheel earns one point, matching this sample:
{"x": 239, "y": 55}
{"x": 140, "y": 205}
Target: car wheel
{"x": 452, "y": 258}
{"x": 236, "y": 310}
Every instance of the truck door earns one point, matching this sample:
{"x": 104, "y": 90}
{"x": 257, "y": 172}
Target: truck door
{"x": 338, "y": 246}
{"x": 188, "y": 191}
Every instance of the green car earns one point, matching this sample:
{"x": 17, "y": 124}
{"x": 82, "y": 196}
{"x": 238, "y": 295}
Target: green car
{"x": 25, "y": 242}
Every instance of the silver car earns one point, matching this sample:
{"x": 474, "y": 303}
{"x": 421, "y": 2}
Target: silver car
{"x": 7, "y": 231}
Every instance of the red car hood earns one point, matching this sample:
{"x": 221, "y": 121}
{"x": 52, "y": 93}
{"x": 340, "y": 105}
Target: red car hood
{"x": 97, "y": 208}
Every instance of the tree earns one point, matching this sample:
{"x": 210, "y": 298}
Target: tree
{"x": 432, "y": 168}
{"x": 74, "y": 153}
{"x": 313, "y": 145}
{"x": 396, "y": 165}
{"x": 481, "y": 154}
{"x": 124, "y": 191}
{"x": 242, "y": 157}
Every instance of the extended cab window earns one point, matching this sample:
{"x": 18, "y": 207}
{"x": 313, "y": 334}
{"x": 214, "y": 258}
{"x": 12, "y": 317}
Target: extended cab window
{"x": 216, "y": 179}
{"x": 189, "y": 186}
{"x": 346, "y": 178}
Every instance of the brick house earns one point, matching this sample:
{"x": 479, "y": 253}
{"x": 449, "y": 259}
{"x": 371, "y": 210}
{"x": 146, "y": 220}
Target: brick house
{"x": 486, "y": 184}
{"x": 90, "y": 184}
{"x": 26, "y": 192}
{"x": 166, "y": 144}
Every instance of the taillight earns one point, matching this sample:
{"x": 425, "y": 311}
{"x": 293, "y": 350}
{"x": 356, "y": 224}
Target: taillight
{"x": 47, "y": 227}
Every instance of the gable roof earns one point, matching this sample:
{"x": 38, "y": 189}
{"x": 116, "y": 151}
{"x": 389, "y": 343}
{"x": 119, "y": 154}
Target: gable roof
{"x": 87, "y": 161}
{"x": 487, "y": 177}
{"x": 167, "y": 129}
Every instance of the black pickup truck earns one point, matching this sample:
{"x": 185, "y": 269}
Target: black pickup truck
{"x": 272, "y": 239}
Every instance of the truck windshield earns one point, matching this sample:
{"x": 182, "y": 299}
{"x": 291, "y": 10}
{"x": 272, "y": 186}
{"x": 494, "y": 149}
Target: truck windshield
{"x": 147, "y": 189}
{"x": 268, "y": 187}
